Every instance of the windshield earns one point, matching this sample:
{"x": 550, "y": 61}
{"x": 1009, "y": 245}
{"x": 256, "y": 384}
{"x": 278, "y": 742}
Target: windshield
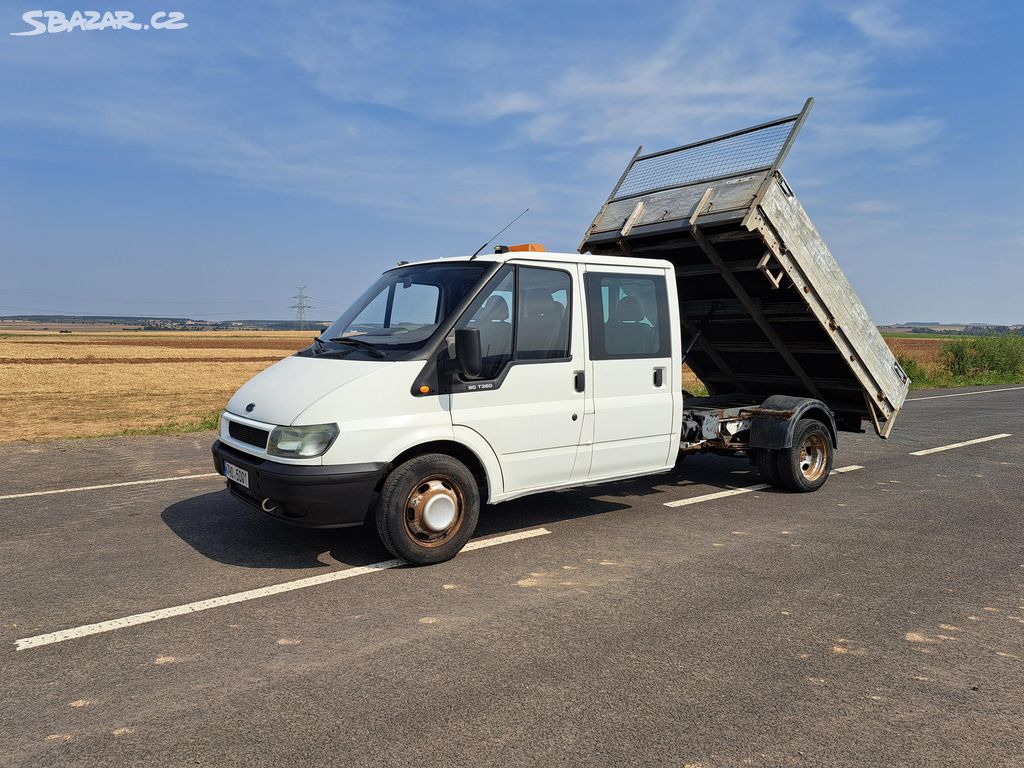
{"x": 405, "y": 306}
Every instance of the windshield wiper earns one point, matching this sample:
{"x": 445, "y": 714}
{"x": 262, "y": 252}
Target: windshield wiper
{"x": 361, "y": 344}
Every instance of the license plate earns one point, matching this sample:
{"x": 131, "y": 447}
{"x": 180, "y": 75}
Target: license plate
{"x": 233, "y": 473}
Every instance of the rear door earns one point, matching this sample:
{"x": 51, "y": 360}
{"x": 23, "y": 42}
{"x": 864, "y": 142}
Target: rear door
{"x": 630, "y": 345}
{"x": 529, "y": 404}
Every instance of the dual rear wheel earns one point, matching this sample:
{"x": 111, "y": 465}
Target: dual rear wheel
{"x": 803, "y": 467}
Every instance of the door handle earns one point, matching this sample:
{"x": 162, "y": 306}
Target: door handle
{"x": 579, "y": 381}
{"x": 659, "y": 377}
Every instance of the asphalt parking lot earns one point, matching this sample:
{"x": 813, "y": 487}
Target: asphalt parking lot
{"x": 691, "y": 619}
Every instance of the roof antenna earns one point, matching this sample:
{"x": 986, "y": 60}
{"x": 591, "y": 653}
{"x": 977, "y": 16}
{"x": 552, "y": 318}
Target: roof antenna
{"x": 517, "y": 218}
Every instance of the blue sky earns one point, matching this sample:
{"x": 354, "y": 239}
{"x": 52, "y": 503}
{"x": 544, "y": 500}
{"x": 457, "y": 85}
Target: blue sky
{"x": 207, "y": 171}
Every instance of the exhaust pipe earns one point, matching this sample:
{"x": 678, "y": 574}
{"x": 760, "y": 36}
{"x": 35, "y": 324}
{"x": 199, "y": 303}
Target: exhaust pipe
{"x": 268, "y": 505}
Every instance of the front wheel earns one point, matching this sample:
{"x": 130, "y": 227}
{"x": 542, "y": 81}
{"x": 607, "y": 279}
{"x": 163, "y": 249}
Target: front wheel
{"x": 428, "y": 509}
{"x": 806, "y": 465}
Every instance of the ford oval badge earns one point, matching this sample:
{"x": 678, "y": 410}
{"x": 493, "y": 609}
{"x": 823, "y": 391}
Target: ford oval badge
{"x": 250, "y": 407}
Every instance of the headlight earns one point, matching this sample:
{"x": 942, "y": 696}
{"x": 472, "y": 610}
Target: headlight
{"x": 301, "y": 442}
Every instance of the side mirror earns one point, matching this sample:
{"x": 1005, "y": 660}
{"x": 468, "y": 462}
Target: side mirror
{"x": 467, "y": 352}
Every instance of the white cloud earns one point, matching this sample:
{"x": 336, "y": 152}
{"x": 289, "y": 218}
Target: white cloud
{"x": 870, "y": 207}
{"x": 901, "y": 135}
{"x": 881, "y": 23}
{"x": 515, "y": 102}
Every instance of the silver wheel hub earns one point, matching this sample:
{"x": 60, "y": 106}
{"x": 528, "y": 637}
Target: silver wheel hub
{"x": 433, "y": 512}
{"x": 439, "y": 512}
{"x": 813, "y": 457}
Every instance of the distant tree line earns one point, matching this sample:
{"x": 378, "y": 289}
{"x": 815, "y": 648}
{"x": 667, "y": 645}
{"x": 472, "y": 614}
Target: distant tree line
{"x": 972, "y": 330}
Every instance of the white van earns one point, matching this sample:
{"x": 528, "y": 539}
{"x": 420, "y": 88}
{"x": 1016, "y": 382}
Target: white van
{"x": 464, "y": 381}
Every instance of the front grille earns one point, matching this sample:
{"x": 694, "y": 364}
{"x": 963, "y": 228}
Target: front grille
{"x": 247, "y": 434}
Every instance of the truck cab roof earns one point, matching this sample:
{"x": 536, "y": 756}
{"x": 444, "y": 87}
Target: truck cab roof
{"x": 554, "y": 258}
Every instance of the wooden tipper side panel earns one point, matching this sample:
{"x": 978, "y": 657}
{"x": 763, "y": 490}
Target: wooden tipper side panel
{"x": 800, "y": 252}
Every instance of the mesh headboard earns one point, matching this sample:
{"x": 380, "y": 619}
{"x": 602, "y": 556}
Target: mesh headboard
{"x": 760, "y": 148}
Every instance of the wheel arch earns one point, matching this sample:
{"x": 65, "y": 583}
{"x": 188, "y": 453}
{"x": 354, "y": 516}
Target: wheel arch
{"x": 774, "y": 433}
{"x": 451, "y": 448}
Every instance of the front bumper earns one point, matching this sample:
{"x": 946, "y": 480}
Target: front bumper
{"x": 307, "y": 496}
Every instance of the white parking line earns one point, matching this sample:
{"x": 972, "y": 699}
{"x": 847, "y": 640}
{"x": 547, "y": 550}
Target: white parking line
{"x": 744, "y": 489}
{"x": 951, "y": 446}
{"x": 963, "y": 394}
{"x": 108, "y": 485}
{"x": 718, "y": 495}
{"x": 252, "y": 594}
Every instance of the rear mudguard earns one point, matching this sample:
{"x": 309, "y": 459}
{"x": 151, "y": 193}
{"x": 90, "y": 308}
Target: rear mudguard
{"x": 774, "y": 433}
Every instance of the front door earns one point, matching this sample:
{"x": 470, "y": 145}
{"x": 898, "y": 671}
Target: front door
{"x": 629, "y": 330}
{"x": 528, "y": 404}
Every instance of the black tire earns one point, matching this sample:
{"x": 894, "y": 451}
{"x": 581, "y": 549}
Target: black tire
{"x": 404, "y": 508}
{"x": 806, "y": 465}
{"x": 767, "y": 463}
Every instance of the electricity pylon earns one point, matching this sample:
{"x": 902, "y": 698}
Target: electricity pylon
{"x": 300, "y": 306}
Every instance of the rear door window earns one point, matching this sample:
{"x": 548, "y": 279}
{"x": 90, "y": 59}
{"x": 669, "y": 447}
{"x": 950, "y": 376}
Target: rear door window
{"x": 627, "y": 316}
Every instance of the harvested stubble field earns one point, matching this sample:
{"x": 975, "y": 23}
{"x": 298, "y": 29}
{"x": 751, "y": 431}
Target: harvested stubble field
{"x": 84, "y": 384}
{"x": 89, "y": 384}
{"x": 925, "y": 352}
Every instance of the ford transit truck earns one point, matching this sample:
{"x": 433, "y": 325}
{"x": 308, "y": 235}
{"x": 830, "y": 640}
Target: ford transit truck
{"x": 458, "y": 382}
